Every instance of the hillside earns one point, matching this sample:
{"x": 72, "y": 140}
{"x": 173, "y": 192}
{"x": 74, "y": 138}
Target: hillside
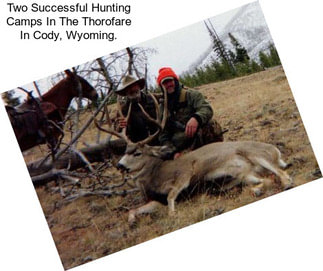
{"x": 257, "y": 107}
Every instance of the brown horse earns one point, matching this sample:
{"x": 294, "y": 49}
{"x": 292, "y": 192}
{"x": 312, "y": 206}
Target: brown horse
{"x": 40, "y": 121}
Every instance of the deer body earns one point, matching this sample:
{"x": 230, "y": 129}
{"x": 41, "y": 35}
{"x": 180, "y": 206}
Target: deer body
{"x": 245, "y": 162}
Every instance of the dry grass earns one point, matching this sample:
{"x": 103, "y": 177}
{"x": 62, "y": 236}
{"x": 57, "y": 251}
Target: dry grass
{"x": 256, "y": 107}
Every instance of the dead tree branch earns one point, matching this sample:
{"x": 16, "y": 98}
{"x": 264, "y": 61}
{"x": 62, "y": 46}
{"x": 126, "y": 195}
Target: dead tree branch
{"x": 86, "y": 193}
{"x": 130, "y": 62}
{"x": 72, "y": 161}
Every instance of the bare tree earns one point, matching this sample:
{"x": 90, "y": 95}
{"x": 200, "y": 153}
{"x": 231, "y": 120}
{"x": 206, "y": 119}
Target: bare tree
{"x": 105, "y": 74}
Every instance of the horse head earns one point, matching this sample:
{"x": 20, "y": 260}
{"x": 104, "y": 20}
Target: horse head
{"x": 88, "y": 91}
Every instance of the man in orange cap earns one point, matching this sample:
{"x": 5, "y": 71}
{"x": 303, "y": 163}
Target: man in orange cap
{"x": 138, "y": 127}
{"x": 189, "y": 123}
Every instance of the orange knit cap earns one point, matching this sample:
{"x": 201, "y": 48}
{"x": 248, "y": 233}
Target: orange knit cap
{"x": 164, "y": 73}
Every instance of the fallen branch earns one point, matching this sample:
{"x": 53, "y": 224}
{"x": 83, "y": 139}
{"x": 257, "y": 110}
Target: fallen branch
{"x": 53, "y": 175}
{"x": 72, "y": 161}
{"x": 86, "y": 193}
{"x": 84, "y": 159}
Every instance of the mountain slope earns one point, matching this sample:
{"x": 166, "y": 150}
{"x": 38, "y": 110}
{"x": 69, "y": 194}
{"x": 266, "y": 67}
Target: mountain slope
{"x": 248, "y": 26}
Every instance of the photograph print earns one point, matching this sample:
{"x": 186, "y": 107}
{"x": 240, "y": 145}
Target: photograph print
{"x": 161, "y": 135}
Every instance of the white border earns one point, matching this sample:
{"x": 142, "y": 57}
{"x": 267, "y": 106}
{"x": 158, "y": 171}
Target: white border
{"x": 283, "y": 232}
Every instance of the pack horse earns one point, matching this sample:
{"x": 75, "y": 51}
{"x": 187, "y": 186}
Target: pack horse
{"x": 39, "y": 121}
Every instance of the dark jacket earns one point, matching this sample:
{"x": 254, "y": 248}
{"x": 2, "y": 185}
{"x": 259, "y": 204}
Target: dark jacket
{"x": 182, "y": 105}
{"x": 139, "y": 127}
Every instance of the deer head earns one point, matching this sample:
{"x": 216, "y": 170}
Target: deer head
{"x": 139, "y": 153}
{"x": 138, "y": 156}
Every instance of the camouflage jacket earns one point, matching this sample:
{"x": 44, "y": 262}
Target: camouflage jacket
{"x": 182, "y": 105}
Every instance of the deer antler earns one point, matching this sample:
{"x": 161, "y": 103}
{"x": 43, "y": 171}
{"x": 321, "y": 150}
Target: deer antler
{"x": 112, "y": 131}
{"x": 109, "y": 130}
{"x": 160, "y": 123}
{"x": 157, "y": 121}
{"x": 165, "y": 111}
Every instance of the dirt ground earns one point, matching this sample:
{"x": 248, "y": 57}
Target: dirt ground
{"x": 257, "y": 107}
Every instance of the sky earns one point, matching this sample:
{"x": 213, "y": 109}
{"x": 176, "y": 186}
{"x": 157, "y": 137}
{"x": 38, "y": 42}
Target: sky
{"x": 177, "y": 49}
{"x": 182, "y": 47}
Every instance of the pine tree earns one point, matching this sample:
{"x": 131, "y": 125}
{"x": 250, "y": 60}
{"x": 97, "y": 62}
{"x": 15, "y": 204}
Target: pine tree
{"x": 255, "y": 67}
{"x": 264, "y": 60}
{"x": 241, "y": 54}
{"x": 271, "y": 59}
{"x": 274, "y": 55}
{"x": 232, "y": 55}
{"x": 219, "y": 47}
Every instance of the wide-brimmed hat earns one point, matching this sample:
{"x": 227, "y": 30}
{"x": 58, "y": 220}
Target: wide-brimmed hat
{"x": 128, "y": 81}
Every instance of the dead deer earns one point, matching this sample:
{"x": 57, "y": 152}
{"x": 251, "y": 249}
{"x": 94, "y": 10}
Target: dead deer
{"x": 245, "y": 162}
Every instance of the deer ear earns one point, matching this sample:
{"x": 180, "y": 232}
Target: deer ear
{"x": 68, "y": 73}
{"x": 166, "y": 152}
{"x": 153, "y": 150}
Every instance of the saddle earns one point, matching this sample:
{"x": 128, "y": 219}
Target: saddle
{"x": 30, "y": 117}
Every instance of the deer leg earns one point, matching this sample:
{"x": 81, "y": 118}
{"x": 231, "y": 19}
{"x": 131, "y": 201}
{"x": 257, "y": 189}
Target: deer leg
{"x": 253, "y": 180}
{"x": 144, "y": 209}
{"x": 174, "y": 192}
{"x": 259, "y": 184}
{"x": 285, "y": 179}
{"x": 230, "y": 185}
{"x": 282, "y": 164}
{"x": 258, "y": 190}
{"x": 274, "y": 168}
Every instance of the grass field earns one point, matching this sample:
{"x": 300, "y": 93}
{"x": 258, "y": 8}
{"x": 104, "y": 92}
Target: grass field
{"x": 257, "y": 107}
